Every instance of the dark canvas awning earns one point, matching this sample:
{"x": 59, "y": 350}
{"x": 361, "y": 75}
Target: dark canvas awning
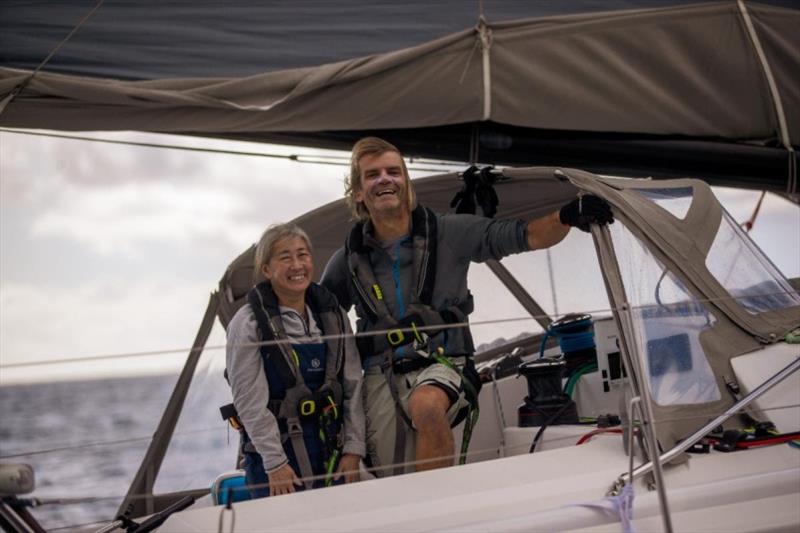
{"x": 705, "y": 90}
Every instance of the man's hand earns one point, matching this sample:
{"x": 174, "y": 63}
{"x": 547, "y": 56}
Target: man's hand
{"x": 283, "y": 480}
{"x": 584, "y": 211}
{"x": 348, "y": 467}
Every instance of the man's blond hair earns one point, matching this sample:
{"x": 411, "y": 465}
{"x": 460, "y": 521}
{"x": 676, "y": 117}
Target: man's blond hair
{"x": 352, "y": 184}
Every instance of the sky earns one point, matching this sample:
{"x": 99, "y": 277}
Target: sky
{"x": 109, "y": 249}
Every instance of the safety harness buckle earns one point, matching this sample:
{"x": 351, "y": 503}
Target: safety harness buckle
{"x": 307, "y": 407}
{"x": 396, "y": 337}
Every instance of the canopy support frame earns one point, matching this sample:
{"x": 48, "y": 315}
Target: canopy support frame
{"x": 522, "y": 296}
{"x": 139, "y": 501}
{"x": 615, "y": 287}
{"x": 777, "y": 103}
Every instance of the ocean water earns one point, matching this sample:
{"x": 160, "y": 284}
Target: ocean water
{"x": 86, "y": 439}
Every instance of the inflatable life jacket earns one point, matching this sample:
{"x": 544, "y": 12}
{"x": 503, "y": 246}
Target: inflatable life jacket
{"x": 402, "y": 332}
{"x": 419, "y": 311}
{"x": 295, "y": 402}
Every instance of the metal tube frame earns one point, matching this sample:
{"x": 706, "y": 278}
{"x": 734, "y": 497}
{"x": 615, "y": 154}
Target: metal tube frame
{"x": 702, "y": 432}
{"x": 605, "y": 249}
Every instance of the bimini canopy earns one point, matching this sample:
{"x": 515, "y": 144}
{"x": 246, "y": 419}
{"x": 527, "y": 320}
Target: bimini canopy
{"x": 534, "y": 194}
{"x": 708, "y": 90}
{"x": 692, "y": 286}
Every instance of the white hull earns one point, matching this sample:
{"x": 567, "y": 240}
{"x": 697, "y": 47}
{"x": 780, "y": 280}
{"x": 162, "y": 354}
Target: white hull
{"x": 756, "y": 490}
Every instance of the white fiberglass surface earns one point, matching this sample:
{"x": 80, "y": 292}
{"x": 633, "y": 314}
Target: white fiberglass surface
{"x": 746, "y": 273}
{"x": 676, "y": 201}
{"x": 668, "y": 322}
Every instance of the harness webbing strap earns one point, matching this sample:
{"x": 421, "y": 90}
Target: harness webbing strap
{"x": 295, "y": 434}
{"x": 473, "y": 409}
{"x": 423, "y": 238}
{"x": 279, "y": 354}
{"x": 401, "y": 419}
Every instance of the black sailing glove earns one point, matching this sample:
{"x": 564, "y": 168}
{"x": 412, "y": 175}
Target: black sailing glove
{"x": 586, "y": 210}
{"x": 485, "y": 194}
{"x": 464, "y": 200}
{"x": 478, "y": 190}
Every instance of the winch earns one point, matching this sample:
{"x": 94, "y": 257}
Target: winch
{"x": 546, "y": 403}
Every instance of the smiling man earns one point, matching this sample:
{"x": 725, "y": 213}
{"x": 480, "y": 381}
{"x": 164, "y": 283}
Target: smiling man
{"x": 404, "y": 268}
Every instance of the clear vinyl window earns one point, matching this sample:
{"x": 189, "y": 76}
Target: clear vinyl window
{"x": 668, "y": 322}
{"x": 746, "y": 273}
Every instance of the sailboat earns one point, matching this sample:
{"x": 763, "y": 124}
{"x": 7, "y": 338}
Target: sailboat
{"x": 689, "y": 341}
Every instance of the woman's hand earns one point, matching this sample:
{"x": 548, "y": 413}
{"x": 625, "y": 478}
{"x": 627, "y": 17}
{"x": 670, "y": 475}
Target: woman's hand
{"x": 348, "y": 467}
{"x": 283, "y": 480}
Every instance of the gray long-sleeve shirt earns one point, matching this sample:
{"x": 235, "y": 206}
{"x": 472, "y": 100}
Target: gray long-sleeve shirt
{"x": 251, "y": 391}
{"x": 461, "y": 239}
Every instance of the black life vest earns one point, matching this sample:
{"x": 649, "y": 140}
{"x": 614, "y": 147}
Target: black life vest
{"x": 419, "y": 311}
{"x": 297, "y": 401}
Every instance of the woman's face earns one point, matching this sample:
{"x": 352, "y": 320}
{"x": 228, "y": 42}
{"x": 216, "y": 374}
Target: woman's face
{"x": 290, "y": 268}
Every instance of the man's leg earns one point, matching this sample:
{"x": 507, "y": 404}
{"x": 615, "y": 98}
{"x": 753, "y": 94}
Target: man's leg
{"x": 381, "y": 427}
{"x": 428, "y": 407}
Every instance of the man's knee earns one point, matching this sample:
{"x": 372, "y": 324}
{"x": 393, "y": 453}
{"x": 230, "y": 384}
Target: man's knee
{"x": 428, "y": 407}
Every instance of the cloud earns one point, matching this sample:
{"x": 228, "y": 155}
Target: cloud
{"x": 118, "y": 199}
{"x": 120, "y": 219}
{"x": 34, "y": 166}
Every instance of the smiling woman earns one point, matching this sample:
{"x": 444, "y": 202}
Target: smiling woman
{"x": 296, "y": 401}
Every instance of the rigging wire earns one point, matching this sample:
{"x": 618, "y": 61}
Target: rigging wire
{"x": 748, "y": 224}
{"x": 317, "y": 159}
{"x": 19, "y": 88}
{"x": 473, "y": 324}
{"x": 131, "y": 440}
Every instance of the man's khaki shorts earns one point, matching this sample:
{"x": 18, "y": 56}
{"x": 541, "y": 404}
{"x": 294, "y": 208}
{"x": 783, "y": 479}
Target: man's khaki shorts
{"x": 381, "y": 413}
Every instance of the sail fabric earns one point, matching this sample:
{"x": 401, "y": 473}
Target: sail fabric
{"x": 682, "y": 85}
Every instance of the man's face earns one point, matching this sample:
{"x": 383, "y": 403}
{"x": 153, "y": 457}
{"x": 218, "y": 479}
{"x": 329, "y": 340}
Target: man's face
{"x": 290, "y": 268}
{"x": 384, "y": 188}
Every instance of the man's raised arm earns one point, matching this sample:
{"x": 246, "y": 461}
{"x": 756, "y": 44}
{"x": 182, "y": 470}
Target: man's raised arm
{"x": 581, "y": 212}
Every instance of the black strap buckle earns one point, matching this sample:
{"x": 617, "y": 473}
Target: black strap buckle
{"x": 404, "y": 366}
{"x": 230, "y": 415}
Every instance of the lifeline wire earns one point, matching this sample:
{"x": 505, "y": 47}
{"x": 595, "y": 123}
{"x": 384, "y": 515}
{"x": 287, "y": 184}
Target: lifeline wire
{"x": 131, "y": 440}
{"x": 318, "y": 159}
{"x": 367, "y": 334}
